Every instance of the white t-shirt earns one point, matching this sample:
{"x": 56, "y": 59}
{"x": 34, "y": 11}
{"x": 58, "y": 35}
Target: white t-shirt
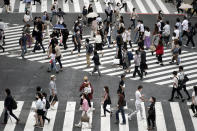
{"x": 128, "y": 35}
{"x": 167, "y": 29}
{"x": 27, "y": 18}
{"x": 177, "y": 33}
{"x": 124, "y": 36}
{"x": 185, "y": 25}
{"x": 137, "y": 97}
{"x": 39, "y": 104}
{"x": 175, "y": 82}
{"x": 147, "y": 33}
{"x": 141, "y": 28}
{"x": 195, "y": 99}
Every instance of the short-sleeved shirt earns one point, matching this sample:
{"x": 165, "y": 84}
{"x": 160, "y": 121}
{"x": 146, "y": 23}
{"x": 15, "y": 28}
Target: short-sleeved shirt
{"x": 185, "y": 25}
{"x": 52, "y": 85}
{"x": 138, "y": 97}
{"x": 175, "y": 82}
{"x": 195, "y": 98}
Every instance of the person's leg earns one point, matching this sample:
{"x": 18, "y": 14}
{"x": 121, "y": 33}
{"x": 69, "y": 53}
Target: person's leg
{"x": 149, "y": 121}
{"x": 192, "y": 41}
{"x": 117, "y": 115}
{"x": 2, "y": 48}
{"x": 135, "y": 70}
{"x": 193, "y": 108}
{"x": 104, "y": 108}
{"x": 98, "y": 70}
{"x": 185, "y": 90}
{"x": 42, "y": 46}
{"x": 41, "y": 120}
{"x": 88, "y": 59}
{"x": 94, "y": 69}
{"x": 179, "y": 93}
{"x": 12, "y": 114}
{"x": 59, "y": 61}
{"x": 23, "y": 51}
{"x": 123, "y": 115}
{"x": 5, "y": 116}
{"x": 172, "y": 95}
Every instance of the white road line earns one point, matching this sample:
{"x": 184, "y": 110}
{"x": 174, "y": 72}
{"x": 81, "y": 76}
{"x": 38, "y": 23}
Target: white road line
{"x": 1, "y": 105}
{"x": 176, "y": 113}
{"x": 122, "y": 10}
{"x": 12, "y": 3}
{"x": 33, "y": 6}
{"x": 65, "y": 6}
{"x": 98, "y": 7}
{"x": 86, "y": 3}
{"x": 44, "y": 6}
{"x": 163, "y": 7}
{"x": 141, "y": 6}
{"x": 69, "y": 116}
{"x": 151, "y": 5}
{"x": 84, "y": 125}
{"x": 51, "y": 113}
{"x": 142, "y": 125}
{"x": 129, "y": 5}
{"x": 29, "y": 126}
{"x": 160, "y": 119}
{"x": 22, "y": 7}
{"x": 105, "y": 121}
{"x": 1, "y": 10}
{"x": 76, "y": 6}
{"x": 186, "y": 72}
{"x": 194, "y": 120}
{"x": 10, "y": 126}
{"x": 126, "y": 126}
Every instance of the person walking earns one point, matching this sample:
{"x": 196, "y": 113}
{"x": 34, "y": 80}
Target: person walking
{"x": 58, "y": 56}
{"x": 166, "y": 32}
{"x": 133, "y": 17}
{"x": 53, "y": 92}
{"x": 54, "y": 9}
{"x": 45, "y": 103}
{"x": 77, "y": 42}
{"x": 85, "y": 109}
{"x": 1, "y": 40}
{"x": 182, "y": 81}
{"x": 39, "y": 111}
{"x": 89, "y": 50}
{"x": 121, "y": 87}
{"x": 194, "y": 101}
{"x": 8, "y": 107}
{"x": 120, "y": 107}
{"x": 184, "y": 26}
{"x": 98, "y": 42}
{"x": 151, "y": 114}
{"x": 96, "y": 60}
{"x": 143, "y": 65}
{"x": 7, "y": 6}
{"x": 109, "y": 13}
{"x": 53, "y": 62}
{"x": 137, "y": 61}
{"x": 160, "y": 52}
{"x": 23, "y": 44}
{"x": 147, "y": 39}
{"x": 106, "y": 101}
{"x": 139, "y": 98}
{"x": 190, "y": 33}
{"x": 175, "y": 87}
{"x": 108, "y": 33}
{"x": 87, "y": 88}
{"x": 65, "y": 34}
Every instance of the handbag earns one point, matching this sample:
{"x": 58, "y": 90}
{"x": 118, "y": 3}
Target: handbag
{"x": 152, "y": 47}
{"x": 85, "y": 118}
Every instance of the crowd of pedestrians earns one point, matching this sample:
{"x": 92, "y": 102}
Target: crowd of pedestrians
{"x": 101, "y": 33}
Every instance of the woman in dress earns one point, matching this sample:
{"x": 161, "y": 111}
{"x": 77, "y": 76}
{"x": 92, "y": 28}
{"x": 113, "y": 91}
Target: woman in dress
{"x": 147, "y": 42}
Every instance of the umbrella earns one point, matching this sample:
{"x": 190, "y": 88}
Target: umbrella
{"x": 59, "y": 26}
{"x": 3, "y": 25}
{"x": 185, "y": 6}
{"x": 92, "y": 15}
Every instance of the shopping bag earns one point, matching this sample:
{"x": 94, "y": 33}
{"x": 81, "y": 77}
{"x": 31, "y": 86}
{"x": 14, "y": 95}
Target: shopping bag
{"x": 85, "y": 118}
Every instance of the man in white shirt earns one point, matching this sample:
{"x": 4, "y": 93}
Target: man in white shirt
{"x": 139, "y": 99}
{"x": 166, "y": 32}
{"x": 176, "y": 31}
{"x": 175, "y": 87}
{"x": 185, "y": 26}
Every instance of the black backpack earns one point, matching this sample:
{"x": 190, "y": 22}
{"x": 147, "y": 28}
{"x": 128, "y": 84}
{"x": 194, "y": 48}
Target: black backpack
{"x": 14, "y": 104}
{"x": 162, "y": 25}
{"x": 47, "y": 106}
{"x": 90, "y": 48}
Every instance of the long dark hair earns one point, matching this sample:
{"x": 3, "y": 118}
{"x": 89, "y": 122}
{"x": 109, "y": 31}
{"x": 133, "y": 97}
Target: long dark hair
{"x": 106, "y": 89}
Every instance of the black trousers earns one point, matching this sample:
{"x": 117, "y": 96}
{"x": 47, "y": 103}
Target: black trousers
{"x": 44, "y": 116}
{"x": 64, "y": 42}
{"x": 190, "y": 39}
{"x": 104, "y": 108}
{"x": 133, "y": 23}
{"x": 194, "y": 108}
{"x": 124, "y": 5}
{"x": 1, "y": 47}
{"x": 137, "y": 71}
{"x": 159, "y": 58}
{"x": 178, "y": 92}
{"x": 195, "y": 10}
{"x": 36, "y": 44}
{"x": 151, "y": 119}
{"x": 184, "y": 33}
{"x": 10, "y": 113}
{"x": 185, "y": 90}
{"x": 58, "y": 58}
{"x": 77, "y": 47}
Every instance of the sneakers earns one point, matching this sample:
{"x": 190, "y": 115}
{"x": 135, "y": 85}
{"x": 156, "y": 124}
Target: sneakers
{"x": 123, "y": 123}
{"x": 193, "y": 47}
{"x": 78, "y": 125}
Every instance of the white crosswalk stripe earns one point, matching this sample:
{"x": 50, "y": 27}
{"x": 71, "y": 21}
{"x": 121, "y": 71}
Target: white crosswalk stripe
{"x": 162, "y": 121}
{"x": 156, "y": 74}
{"x": 99, "y": 6}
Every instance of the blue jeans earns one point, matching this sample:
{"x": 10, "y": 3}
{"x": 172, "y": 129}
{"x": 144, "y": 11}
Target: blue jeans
{"x": 136, "y": 37}
{"x": 53, "y": 66}
{"x": 24, "y": 50}
{"x": 121, "y": 110}
{"x": 109, "y": 40}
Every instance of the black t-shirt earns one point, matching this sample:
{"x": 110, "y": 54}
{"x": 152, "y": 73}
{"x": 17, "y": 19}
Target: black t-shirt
{"x": 39, "y": 25}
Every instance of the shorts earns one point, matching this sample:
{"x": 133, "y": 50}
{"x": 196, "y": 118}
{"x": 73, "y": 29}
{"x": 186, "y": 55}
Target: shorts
{"x": 40, "y": 112}
{"x": 54, "y": 98}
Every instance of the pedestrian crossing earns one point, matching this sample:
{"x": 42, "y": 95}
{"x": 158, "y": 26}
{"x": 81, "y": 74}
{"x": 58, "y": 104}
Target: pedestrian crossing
{"x": 72, "y": 116}
{"x": 142, "y": 6}
{"x": 157, "y": 74}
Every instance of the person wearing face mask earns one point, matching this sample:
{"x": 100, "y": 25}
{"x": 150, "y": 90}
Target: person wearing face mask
{"x": 77, "y": 42}
{"x": 151, "y": 113}
{"x": 106, "y": 101}
{"x": 53, "y": 91}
